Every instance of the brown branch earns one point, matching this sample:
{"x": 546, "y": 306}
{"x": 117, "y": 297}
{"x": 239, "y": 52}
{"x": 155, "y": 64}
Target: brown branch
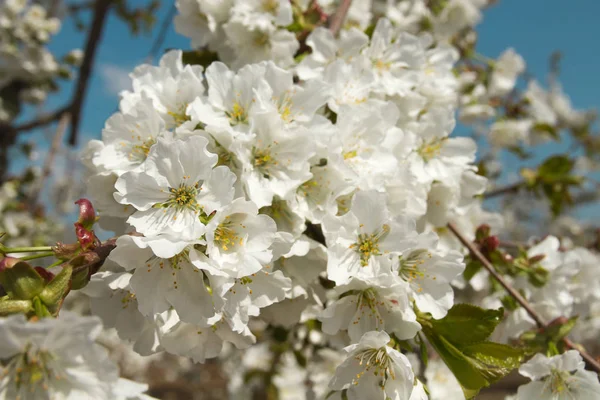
{"x": 515, "y": 187}
{"x": 590, "y": 361}
{"x": 337, "y": 20}
{"x": 47, "y": 169}
{"x": 42, "y": 120}
{"x": 162, "y": 34}
{"x": 100, "y": 12}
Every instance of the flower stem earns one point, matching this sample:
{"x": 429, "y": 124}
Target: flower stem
{"x": 34, "y": 249}
{"x": 39, "y": 255}
{"x": 590, "y": 361}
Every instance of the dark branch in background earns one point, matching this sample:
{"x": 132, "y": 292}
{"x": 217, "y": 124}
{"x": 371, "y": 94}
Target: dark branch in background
{"x": 590, "y": 361}
{"x": 160, "y": 38}
{"x": 337, "y": 19}
{"x": 42, "y": 120}
{"x": 514, "y": 188}
{"x": 49, "y": 161}
{"x": 100, "y": 12}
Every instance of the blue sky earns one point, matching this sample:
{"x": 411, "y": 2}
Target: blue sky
{"x": 535, "y": 28}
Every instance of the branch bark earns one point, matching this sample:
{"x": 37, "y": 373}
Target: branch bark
{"x": 504, "y": 190}
{"x": 49, "y": 161}
{"x": 100, "y": 13}
{"x": 337, "y": 20}
{"x": 42, "y": 120}
{"x": 590, "y": 361}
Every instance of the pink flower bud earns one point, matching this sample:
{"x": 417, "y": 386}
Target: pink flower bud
{"x": 86, "y": 238}
{"x": 87, "y": 214}
{"x": 491, "y": 243}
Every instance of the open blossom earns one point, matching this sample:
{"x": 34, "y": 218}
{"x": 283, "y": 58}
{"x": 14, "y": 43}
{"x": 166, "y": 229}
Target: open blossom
{"x": 58, "y": 358}
{"x": 368, "y": 305}
{"x": 177, "y": 187}
{"x": 561, "y": 377}
{"x": 361, "y": 242}
{"x": 373, "y": 370}
{"x": 238, "y": 241}
{"x": 429, "y": 273}
{"x": 161, "y": 283}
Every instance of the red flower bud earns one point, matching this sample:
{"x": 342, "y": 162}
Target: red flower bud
{"x": 87, "y": 214}
{"x": 482, "y": 232}
{"x": 85, "y": 237}
{"x": 491, "y": 243}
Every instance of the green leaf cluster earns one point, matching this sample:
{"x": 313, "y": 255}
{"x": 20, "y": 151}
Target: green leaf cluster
{"x": 460, "y": 338}
{"x": 553, "y": 179}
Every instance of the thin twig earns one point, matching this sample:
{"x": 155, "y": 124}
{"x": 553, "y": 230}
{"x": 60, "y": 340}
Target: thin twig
{"x": 504, "y": 190}
{"x": 49, "y": 162}
{"x": 100, "y": 12}
{"x": 591, "y": 362}
{"x": 488, "y": 265}
{"x": 162, "y": 34}
{"x": 337, "y": 19}
{"x": 42, "y": 120}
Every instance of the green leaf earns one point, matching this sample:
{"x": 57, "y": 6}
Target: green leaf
{"x": 555, "y": 167}
{"x": 473, "y": 267}
{"x": 460, "y": 340}
{"x": 466, "y": 323}
{"x": 547, "y": 128}
{"x": 477, "y": 365}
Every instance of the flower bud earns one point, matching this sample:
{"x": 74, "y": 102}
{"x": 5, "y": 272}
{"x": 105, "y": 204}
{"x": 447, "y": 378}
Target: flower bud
{"x": 482, "y": 232}
{"x": 8, "y": 307}
{"x": 84, "y": 265}
{"x": 55, "y": 291}
{"x": 64, "y": 251}
{"x": 85, "y": 237}
{"x": 87, "y": 214}
{"x": 491, "y": 243}
{"x": 19, "y": 279}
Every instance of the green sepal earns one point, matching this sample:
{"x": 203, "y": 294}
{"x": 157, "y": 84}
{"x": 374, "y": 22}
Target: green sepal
{"x": 57, "y": 288}
{"x": 21, "y": 281}
{"x": 8, "y": 307}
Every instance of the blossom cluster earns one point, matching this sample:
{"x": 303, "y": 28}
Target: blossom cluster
{"x": 25, "y": 30}
{"x": 219, "y": 176}
{"x": 292, "y": 190}
{"x": 58, "y": 358}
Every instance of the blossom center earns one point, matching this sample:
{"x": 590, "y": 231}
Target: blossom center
{"x": 139, "y": 152}
{"x": 368, "y": 244}
{"x": 184, "y": 197}
{"x": 367, "y": 301}
{"x": 226, "y": 234}
{"x": 263, "y": 159}
{"x": 431, "y": 149}
{"x": 376, "y": 361}
{"x": 270, "y": 6}
{"x": 410, "y": 267}
{"x": 261, "y": 39}
{"x": 30, "y": 369}
{"x": 559, "y": 381}
{"x": 179, "y": 116}
{"x": 238, "y": 114}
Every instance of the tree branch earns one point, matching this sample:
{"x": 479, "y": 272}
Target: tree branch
{"x": 590, "y": 361}
{"x": 337, "y": 20}
{"x": 42, "y": 120}
{"x": 49, "y": 161}
{"x": 100, "y": 12}
{"x": 504, "y": 190}
{"x": 160, "y": 38}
